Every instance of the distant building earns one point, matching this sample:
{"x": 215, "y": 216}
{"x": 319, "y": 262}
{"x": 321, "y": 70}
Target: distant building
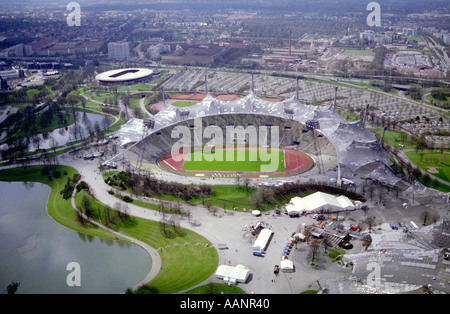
{"x": 20, "y": 50}
{"x": 187, "y": 60}
{"x": 126, "y": 76}
{"x": 10, "y": 74}
{"x": 368, "y": 35}
{"x": 118, "y": 51}
{"x": 446, "y": 39}
{"x": 155, "y": 51}
{"x": 3, "y": 84}
{"x": 410, "y": 32}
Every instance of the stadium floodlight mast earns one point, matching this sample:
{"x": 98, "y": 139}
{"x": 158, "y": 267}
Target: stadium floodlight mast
{"x": 252, "y": 91}
{"x": 206, "y": 85}
{"x": 365, "y": 115}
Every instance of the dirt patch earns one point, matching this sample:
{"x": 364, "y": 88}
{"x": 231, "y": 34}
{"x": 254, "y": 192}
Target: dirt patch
{"x": 432, "y": 170}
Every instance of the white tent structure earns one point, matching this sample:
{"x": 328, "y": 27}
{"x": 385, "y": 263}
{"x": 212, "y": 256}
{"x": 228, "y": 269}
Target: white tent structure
{"x": 256, "y": 213}
{"x": 287, "y": 266}
{"x": 232, "y": 275}
{"x": 262, "y": 240}
{"x": 318, "y": 202}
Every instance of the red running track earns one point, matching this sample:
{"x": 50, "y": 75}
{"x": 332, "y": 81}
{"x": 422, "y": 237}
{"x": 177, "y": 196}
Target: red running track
{"x": 295, "y": 162}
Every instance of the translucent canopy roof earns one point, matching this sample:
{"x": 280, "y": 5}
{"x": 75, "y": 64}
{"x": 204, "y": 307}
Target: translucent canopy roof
{"x": 355, "y": 145}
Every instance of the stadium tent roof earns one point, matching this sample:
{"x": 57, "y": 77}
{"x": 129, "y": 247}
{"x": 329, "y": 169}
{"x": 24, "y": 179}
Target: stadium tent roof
{"x": 231, "y": 274}
{"x": 318, "y": 202}
{"x": 355, "y": 145}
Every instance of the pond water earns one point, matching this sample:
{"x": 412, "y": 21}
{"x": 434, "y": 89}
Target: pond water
{"x": 36, "y": 250}
{"x": 84, "y": 122}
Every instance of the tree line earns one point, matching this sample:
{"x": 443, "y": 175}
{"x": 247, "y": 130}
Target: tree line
{"x": 146, "y": 185}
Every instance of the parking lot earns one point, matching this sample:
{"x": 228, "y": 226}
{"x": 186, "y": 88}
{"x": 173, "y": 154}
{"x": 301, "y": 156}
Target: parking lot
{"x": 229, "y": 229}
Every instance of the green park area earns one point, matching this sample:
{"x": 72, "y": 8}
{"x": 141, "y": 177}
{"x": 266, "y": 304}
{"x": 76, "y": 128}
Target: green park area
{"x": 436, "y": 163}
{"x": 356, "y": 52}
{"x": 240, "y": 196}
{"x": 397, "y": 138}
{"x": 187, "y": 258}
{"x": 225, "y": 196}
{"x": 415, "y": 38}
{"x": 183, "y": 103}
{"x": 232, "y": 160}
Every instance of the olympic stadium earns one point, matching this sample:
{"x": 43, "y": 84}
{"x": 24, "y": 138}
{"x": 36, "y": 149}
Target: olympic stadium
{"x": 126, "y": 76}
{"x": 333, "y": 145}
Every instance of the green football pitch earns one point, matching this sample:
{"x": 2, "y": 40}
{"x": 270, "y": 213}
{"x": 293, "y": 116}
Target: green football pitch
{"x": 234, "y": 160}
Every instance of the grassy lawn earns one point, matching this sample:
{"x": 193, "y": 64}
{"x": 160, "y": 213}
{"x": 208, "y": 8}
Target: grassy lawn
{"x": 32, "y": 92}
{"x": 309, "y": 292}
{"x": 183, "y": 103}
{"x": 116, "y": 125}
{"x": 442, "y": 103}
{"x": 135, "y": 104}
{"x": 216, "y": 288}
{"x": 356, "y": 52}
{"x": 148, "y": 205}
{"x": 396, "y": 138}
{"x": 136, "y": 88}
{"x": 228, "y": 195}
{"x": 416, "y": 38}
{"x": 435, "y": 162}
{"x": 334, "y": 253}
{"x": 240, "y": 160}
{"x": 184, "y": 266}
{"x": 347, "y": 115}
{"x": 223, "y": 196}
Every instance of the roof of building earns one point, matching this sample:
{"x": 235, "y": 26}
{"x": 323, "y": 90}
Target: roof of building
{"x": 318, "y": 201}
{"x": 128, "y": 74}
{"x": 233, "y": 274}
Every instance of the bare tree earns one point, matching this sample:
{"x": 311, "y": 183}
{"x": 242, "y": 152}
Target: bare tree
{"x": 313, "y": 249}
{"x": 188, "y": 214}
{"x": 86, "y": 205}
{"x": 371, "y": 222}
{"x": 425, "y": 216}
{"x": 174, "y": 222}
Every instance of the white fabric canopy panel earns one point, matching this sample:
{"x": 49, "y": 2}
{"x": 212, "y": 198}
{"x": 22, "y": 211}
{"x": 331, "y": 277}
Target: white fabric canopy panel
{"x": 319, "y": 202}
{"x": 230, "y": 274}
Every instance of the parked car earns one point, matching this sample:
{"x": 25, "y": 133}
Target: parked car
{"x": 320, "y": 217}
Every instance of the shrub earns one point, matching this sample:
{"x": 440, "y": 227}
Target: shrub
{"x": 127, "y": 199}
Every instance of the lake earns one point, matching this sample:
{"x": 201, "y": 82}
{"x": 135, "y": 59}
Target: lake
{"x": 85, "y": 121}
{"x": 36, "y": 250}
